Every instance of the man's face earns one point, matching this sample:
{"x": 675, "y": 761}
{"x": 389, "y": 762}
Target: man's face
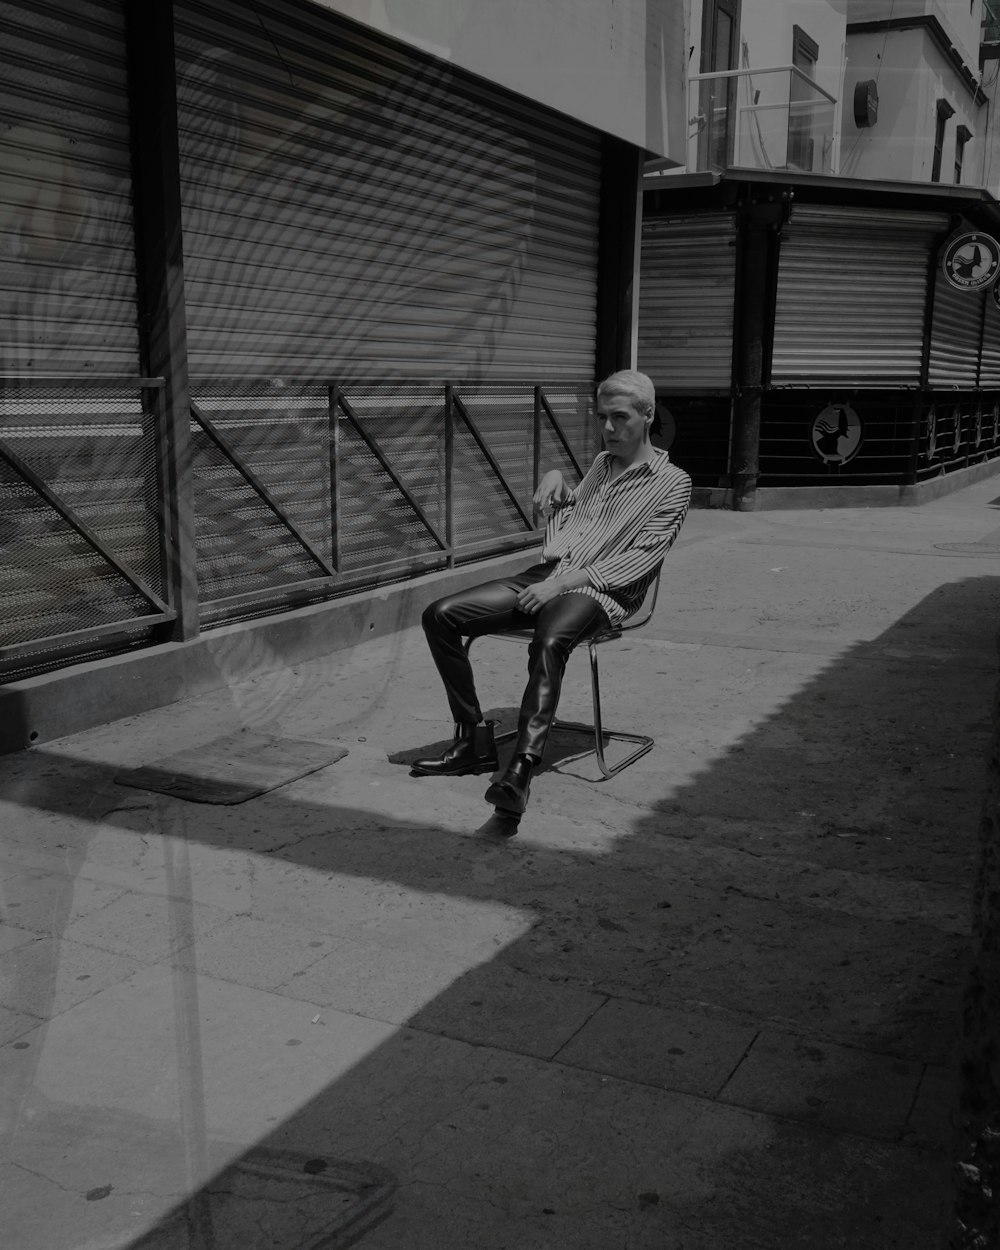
{"x": 623, "y": 428}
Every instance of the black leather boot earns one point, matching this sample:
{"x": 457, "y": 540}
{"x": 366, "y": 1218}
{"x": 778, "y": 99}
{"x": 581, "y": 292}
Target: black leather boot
{"x": 473, "y": 751}
{"x": 510, "y": 793}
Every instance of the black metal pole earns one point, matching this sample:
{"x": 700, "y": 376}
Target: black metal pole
{"x": 621, "y": 174}
{"x": 149, "y": 30}
{"x": 753, "y": 305}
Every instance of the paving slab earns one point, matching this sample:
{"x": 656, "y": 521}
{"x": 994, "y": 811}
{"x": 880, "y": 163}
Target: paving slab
{"x": 14, "y": 1024}
{"x": 147, "y": 927}
{"x": 839, "y": 1087}
{"x": 682, "y": 1050}
{"x": 496, "y": 1005}
{"x": 46, "y": 902}
{"x": 254, "y": 953}
{"x": 931, "y": 1121}
{"x": 47, "y": 977}
{"x": 375, "y": 980}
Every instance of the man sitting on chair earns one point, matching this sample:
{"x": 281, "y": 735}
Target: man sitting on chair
{"x": 604, "y": 543}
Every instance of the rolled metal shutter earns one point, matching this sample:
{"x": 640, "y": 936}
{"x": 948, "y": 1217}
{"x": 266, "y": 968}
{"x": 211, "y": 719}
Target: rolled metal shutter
{"x": 852, "y": 292}
{"x": 686, "y": 293}
{"x": 353, "y": 210}
{"x": 989, "y": 374}
{"x": 67, "y": 254}
{"x": 355, "y": 213}
{"x": 955, "y": 331}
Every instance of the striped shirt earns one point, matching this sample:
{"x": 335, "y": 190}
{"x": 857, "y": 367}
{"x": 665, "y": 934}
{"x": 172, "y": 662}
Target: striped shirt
{"x": 618, "y": 531}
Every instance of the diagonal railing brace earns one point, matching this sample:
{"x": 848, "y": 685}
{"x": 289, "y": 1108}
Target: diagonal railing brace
{"x": 554, "y": 420}
{"x": 380, "y": 456}
{"x": 256, "y": 485}
{"x": 81, "y": 527}
{"x": 463, "y": 412}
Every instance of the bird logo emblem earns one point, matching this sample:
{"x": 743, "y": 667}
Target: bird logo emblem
{"x": 836, "y": 434}
{"x": 972, "y": 261}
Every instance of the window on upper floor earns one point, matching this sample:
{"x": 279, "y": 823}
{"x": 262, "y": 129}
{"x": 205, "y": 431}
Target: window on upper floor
{"x": 805, "y": 55}
{"x": 944, "y": 111}
{"x": 719, "y": 53}
{"x": 805, "y": 51}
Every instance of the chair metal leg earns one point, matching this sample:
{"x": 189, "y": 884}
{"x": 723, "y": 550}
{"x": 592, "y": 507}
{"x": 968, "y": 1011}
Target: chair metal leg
{"x": 645, "y": 743}
{"x": 596, "y": 730}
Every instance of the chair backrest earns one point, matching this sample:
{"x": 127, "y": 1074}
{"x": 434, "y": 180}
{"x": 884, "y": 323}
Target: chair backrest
{"x": 645, "y": 613}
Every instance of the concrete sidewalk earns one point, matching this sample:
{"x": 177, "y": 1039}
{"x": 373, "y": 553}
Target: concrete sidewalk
{"x": 711, "y": 1003}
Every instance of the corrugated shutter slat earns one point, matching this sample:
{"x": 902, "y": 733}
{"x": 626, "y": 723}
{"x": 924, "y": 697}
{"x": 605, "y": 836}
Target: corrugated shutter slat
{"x": 686, "y": 292}
{"x": 956, "y": 323}
{"x": 67, "y": 252}
{"x": 354, "y": 210}
{"x": 852, "y": 289}
{"x": 989, "y": 375}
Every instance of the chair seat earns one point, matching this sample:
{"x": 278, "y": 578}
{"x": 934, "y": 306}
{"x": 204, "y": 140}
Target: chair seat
{"x": 526, "y": 635}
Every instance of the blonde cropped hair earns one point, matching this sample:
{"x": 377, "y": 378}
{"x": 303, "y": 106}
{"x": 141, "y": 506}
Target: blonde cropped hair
{"x": 635, "y": 386}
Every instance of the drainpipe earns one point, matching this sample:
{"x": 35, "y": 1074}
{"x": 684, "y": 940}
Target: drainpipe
{"x": 754, "y": 313}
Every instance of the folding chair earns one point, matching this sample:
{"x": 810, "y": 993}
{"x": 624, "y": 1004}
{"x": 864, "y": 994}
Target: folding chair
{"x": 597, "y": 730}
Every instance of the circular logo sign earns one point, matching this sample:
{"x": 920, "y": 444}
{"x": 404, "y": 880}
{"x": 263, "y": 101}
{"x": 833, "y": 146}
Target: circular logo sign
{"x": 836, "y": 434}
{"x": 972, "y": 261}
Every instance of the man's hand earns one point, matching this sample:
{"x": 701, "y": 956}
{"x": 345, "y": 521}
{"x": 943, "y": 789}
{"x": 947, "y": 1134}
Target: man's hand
{"x": 533, "y": 598}
{"x": 552, "y": 491}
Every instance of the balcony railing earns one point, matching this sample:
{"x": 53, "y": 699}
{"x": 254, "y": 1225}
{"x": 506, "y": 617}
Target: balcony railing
{"x": 775, "y": 118}
{"x": 990, "y": 36}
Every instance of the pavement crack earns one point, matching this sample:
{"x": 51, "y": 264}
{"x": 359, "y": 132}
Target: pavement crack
{"x": 51, "y": 1180}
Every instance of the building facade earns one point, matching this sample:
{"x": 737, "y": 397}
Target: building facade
{"x": 795, "y": 311}
{"x": 298, "y": 296}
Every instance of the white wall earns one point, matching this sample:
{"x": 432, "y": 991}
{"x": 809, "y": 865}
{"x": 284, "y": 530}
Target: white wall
{"x": 960, "y": 20}
{"x": 766, "y": 25}
{"x": 618, "y": 65}
{"x": 912, "y": 75}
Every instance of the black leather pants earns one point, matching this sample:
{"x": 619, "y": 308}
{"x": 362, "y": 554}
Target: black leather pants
{"x": 485, "y": 609}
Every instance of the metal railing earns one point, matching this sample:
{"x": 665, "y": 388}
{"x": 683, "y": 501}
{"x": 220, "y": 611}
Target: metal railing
{"x": 269, "y": 496}
{"x": 990, "y": 32}
{"x": 82, "y": 545}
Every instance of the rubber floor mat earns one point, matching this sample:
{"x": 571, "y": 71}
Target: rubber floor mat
{"x": 232, "y": 770}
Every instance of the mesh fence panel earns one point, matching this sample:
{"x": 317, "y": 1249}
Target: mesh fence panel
{"x": 279, "y": 519}
{"x": 282, "y": 434}
{"x": 504, "y": 418}
{"x": 93, "y": 448}
{"x": 369, "y": 527}
{"x": 377, "y": 524}
{"x": 282, "y": 437}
